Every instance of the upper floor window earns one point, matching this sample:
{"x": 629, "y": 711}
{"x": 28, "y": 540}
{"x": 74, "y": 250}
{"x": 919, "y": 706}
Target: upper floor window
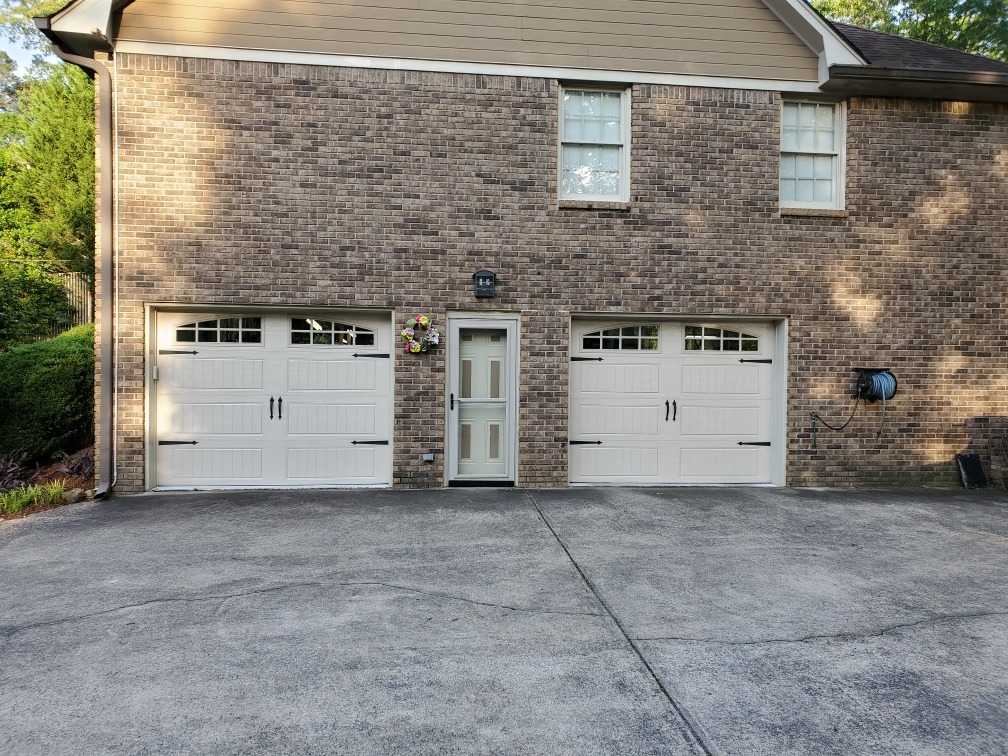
{"x": 811, "y": 155}
{"x": 595, "y": 144}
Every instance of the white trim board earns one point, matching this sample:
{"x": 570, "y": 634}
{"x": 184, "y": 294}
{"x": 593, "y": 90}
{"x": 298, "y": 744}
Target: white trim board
{"x": 451, "y": 66}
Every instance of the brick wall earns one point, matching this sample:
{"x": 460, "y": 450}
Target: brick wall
{"x": 274, "y": 184}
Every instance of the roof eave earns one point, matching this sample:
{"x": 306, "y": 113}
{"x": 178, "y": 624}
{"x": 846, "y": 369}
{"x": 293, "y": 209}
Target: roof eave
{"x": 874, "y": 81}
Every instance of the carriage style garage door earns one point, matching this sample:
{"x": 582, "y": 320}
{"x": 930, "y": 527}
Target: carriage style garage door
{"x": 686, "y": 402}
{"x": 256, "y": 399}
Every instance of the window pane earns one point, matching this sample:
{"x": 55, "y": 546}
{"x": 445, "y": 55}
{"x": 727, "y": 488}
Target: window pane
{"x": 229, "y": 323}
{"x": 229, "y": 337}
{"x": 630, "y": 343}
{"x": 649, "y": 330}
{"x": 791, "y": 114}
{"x": 591, "y": 343}
{"x": 300, "y": 324}
{"x": 804, "y": 166}
{"x": 750, "y": 345}
{"x": 299, "y": 337}
{"x": 251, "y": 323}
{"x": 207, "y": 324}
{"x": 611, "y": 332}
{"x": 803, "y": 191}
{"x": 651, "y": 344}
{"x": 365, "y": 339}
{"x": 730, "y": 345}
{"x": 185, "y": 334}
{"x": 694, "y": 331}
{"x": 788, "y": 190}
{"x": 610, "y": 343}
{"x": 321, "y": 338}
{"x": 631, "y": 330}
{"x": 207, "y": 336}
{"x": 823, "y": 191}
{"x": 251, "y": 337}
{"x": 789, "y": 138}
{"x": 692, "y": 345}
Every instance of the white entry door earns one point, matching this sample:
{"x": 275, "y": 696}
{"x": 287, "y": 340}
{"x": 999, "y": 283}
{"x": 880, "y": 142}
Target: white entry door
{"x": 482, "y": 385}
{"x": 655, "y": 402}
{"x": 265, "y": 399}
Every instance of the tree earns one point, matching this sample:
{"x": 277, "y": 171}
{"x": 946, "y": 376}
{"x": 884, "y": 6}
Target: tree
{"x": 17, "y": 25}
{"x": 53, "y": 159}
{"x": 973, "y": 26}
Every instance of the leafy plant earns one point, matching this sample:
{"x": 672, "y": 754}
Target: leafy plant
{"x": 80, "y": 465}
{"x": 20, "y": 499}
{"x": 47, "y": 396}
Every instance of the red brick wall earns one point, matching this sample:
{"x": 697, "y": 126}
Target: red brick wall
{"x": 274, "y": 184}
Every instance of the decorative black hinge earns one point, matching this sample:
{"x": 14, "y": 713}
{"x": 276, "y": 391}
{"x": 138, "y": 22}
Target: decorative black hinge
{"x": 177, "y": 443}
{"x": 585, "y": 443}
{"x": 586, "y": 359}
{"x": 174, "y": 351}
{"x": 369, "y": 443}
{"x": 764, "y": 362}
{"x": 386, "y": 355}
{"x": 754, "y": 443}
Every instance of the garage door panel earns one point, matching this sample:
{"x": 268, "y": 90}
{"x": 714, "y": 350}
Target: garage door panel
{"x": 741, "y": 464}
{"x": 599, "y": 378}
{"x": 721, "y": 379}
{"x": 615, "y": 463}
{"x": 212, "y": 374}
{"x": 606, "y": 420}
{"x": 721, "y": 421}
{"x": 350, "y": 464}
{"x": 203, "y": 464}
{"x": 336, "y": 419}
{"x": 196, "y": 418}
{"x": 350, "y": 374}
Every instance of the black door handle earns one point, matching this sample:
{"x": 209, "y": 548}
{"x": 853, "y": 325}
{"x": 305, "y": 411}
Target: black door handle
{"x": 674, "y": 410}
{"x": 280, "y": 408}
{"x": 271, "y": 408}
{"x": 451, "y": 400}
{"x": 666, "y": 410}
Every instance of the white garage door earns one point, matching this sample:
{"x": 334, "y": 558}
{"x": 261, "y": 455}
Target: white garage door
{"x": 659, "y": 402}
{"x": 253, "y": 399}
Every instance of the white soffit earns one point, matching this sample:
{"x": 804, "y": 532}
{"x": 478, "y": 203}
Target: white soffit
{"x": 80, "y": 19}
{"x": 817, "y": 33}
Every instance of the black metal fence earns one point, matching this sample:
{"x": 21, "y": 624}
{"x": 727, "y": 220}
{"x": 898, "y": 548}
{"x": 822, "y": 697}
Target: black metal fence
{"x": 80, "y": 298}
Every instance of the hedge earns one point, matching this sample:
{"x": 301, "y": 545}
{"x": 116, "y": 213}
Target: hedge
{"x": 47, "y": 396}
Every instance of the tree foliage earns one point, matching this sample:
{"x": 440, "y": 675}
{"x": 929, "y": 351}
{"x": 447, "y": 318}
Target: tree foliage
{"x": 17, "y": 25}
{"x": 973, "y": 26}
{"x": 50, "y": 168}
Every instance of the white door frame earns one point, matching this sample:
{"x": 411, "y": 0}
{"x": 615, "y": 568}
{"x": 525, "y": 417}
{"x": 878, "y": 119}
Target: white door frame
{"x": 490, "y": 321}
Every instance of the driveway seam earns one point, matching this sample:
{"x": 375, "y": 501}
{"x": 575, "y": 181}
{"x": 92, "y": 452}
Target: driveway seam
{"x": 693, "y": 729}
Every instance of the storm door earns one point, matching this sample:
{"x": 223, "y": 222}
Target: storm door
{"x": 482, "y": 386}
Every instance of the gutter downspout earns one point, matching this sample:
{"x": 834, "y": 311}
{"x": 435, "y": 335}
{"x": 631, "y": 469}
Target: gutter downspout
{"x": 106, "y": 471}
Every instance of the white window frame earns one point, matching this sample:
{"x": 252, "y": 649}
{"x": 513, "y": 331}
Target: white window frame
{"x": 624, "y": 162}
{"x": 838, "y": 154}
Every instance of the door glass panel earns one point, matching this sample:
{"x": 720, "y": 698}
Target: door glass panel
{"x": 495, "y": 379}
{"x": 465, "y": 440}
{"x": 494, "y": 444}
{"x": 465, "y": 381}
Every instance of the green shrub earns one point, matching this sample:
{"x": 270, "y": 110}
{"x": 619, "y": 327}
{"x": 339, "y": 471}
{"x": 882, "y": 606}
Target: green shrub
{"x": 20, "y": 499}
{"x": 47, "y": 395}
{"x": 33, "y": 304}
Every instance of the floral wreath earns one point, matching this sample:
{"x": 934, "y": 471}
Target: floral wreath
{"x": 419, "y": 335}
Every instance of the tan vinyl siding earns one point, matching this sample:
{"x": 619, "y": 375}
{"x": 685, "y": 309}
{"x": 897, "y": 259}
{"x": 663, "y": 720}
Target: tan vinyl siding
{"x": 736, "y": 38}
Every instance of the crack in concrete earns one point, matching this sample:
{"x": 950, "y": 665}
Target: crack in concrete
{"x": 9, "y": 631}
{"x": 691, "y": 729}
{"x": 829, "y": 636}
{"x": 462, "y": 599}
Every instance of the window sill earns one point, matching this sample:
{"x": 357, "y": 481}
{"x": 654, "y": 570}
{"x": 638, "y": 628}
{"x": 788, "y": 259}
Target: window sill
{"x": 813, "y": 212}
{"x": 572, "y": 204}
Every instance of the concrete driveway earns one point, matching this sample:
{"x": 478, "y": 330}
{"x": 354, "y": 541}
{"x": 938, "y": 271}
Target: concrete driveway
{"x": 587, "y": 621}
